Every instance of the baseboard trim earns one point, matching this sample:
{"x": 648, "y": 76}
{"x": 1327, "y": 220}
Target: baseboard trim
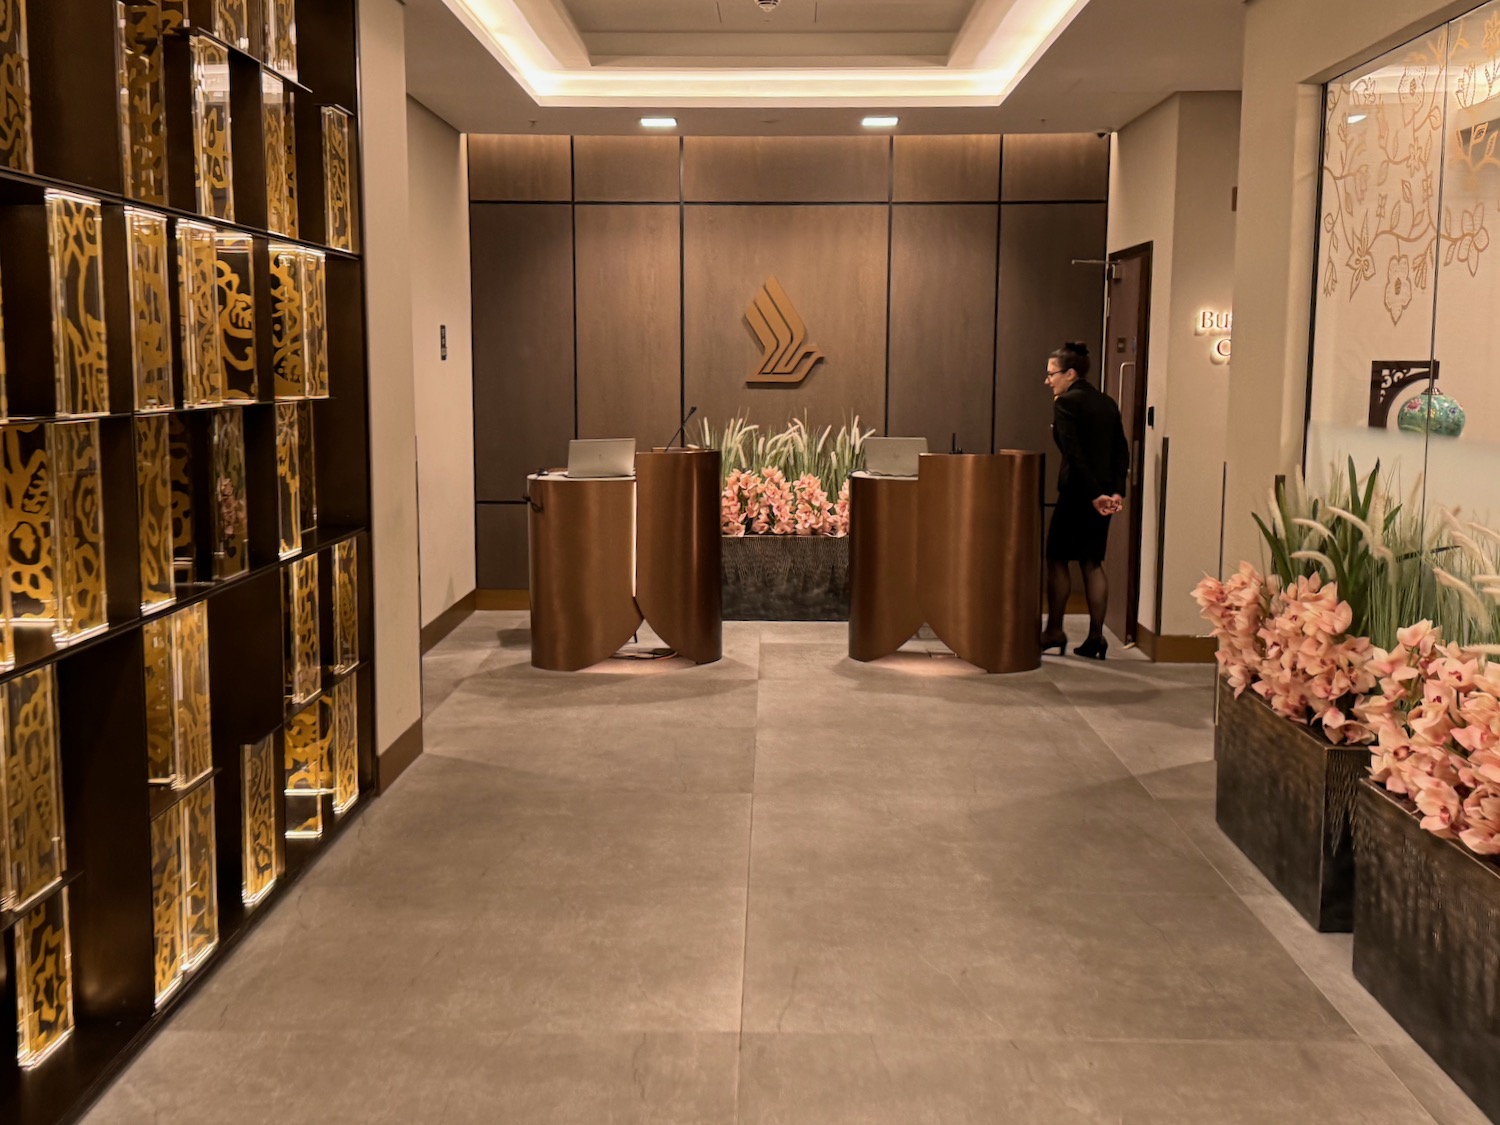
{"x": 447, "y": 621}
{"x": 502, "y": 599}
{"x": 1172, "y": 649}
{"x": 398, "y": 757}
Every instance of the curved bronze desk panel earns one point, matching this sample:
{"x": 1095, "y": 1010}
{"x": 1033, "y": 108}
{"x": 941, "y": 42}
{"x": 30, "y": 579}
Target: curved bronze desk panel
{"x": 979, "y": 556}
{"x": 883, "y": 609}
{"x": 582, "y": 570}
{"x": 679, "y": 569}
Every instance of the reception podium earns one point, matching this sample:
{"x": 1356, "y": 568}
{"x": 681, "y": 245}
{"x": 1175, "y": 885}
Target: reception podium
{"x": 609, "y": 553}
{"x": 958, "y": 547}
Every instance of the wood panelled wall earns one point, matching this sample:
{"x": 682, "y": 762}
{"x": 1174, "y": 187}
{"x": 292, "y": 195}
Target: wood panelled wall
{"x": 611, "y": 276}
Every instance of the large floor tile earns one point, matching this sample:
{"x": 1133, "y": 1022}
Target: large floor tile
{"x": 929, "y": 961}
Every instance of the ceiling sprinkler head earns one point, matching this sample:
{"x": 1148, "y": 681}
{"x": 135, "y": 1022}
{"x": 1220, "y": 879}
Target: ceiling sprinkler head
{"x": 767, "y": 5}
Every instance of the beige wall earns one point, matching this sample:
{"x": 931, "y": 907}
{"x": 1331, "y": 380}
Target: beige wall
{"x": 388, "y": 300}
{"x": 1291, "y": 46}
{"x": 444, "y": 388}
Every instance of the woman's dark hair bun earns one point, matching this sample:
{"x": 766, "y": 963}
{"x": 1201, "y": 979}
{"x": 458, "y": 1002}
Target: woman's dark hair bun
{"x": 1078, "y": 346}
{"x": 1073, "y": 356}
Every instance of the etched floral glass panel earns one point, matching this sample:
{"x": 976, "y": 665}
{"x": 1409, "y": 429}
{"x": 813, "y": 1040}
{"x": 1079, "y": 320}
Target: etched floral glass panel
{"x": 78, "y": 525}
{"x": 198, "y": 281}
{"x": 304, "y": 653}
{"x": 280, "y": 137}
{"x": 44, "y": 986}
{"x": 15, "y": 88}
{"x": 31, "y": 790}
{"x": 153, "y": 467}
{"x": 345, "y": 605}
{"x": 289, "y": 477}
{"x": 80, "y": 356}
{"x": 258, "y": 782}
{"x": 142, "y": 67}
{"x": 231, "y": 525}
{"x": 338, "y": 198}
{"x": 235, "y": 272}
{"x": 167, "y": 902}
{"x": 200, "y": 877}
{"x": 150, "y": 308}
{"x": 30, "y": 564}
{"x": 288, "y": 311}
{"x": 213, "y": 165}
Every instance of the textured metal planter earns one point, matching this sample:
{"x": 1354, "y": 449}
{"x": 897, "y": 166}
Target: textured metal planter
{"x": 1427, "y": 940}
{"x": 786, "y": 578}
{"x": 1286, "y": 798}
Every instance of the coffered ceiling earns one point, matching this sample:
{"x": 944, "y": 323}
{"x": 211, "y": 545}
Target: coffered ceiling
{"x": 1112, "y": 61}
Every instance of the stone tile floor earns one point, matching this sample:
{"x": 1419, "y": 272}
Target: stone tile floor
{"x": 789, "y": 888}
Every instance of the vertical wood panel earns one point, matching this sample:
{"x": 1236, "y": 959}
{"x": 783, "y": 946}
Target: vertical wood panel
{"x": 947, "y": 169}
{"x": 1044, "y": 300}
{"x": 520, "y": 169}
{"x": 626, "y": 169}
{"x": 786, "y": 169}
{"x": 832, "y": 263}
{"x": 1055, "y": 166}
{"x": 501, "y": 549}
{"x": 523, "y": 342}
{"x": 943, "y": 324}
{"x": 629, "y": 338}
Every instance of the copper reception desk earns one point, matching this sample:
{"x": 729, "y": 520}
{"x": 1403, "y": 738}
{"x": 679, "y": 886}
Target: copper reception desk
{"x": 960, "y": 548}
{"x": 607, "y": 554}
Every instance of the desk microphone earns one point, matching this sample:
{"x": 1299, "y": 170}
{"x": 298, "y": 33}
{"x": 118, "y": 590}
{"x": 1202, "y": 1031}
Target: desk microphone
{"x": 682, "y": 429}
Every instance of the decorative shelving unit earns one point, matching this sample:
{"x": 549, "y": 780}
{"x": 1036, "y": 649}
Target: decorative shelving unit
{"x": 186, "y": 668}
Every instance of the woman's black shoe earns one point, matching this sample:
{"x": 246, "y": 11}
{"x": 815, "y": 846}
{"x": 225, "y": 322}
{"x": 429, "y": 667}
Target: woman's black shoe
{"x": 1092, "y": 649}
{"x": 1057, "y": 641}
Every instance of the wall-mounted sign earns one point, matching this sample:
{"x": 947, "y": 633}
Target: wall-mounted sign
{"x": 1218, "y": 325}
{"x": 786, "y": 356}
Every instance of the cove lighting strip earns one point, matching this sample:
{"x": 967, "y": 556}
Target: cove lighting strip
{"x": 1000, "y": 43}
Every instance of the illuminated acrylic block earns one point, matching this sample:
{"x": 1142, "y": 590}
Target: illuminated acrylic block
{"x": 191, "y": 705}
{"x": 44, "y": 986}
{"x": 279, "y": 30}
{"x": 288, "y": 306}
{"x": 200, "y": 931}
{"x": 15, "y": 88}
{"x": 345, "y": 605}
{"x": 338, "y": 199}
{"x": 151, "y": 308}
{"x": 235, "y": 267}
{"x": 198, "y": 281}
{"x": 304, "y": 656}
{"x": 153, "y": 469}
{"x": 258, "y": 810}
{"x": 78, "y": 527}
{"x": 232, "y": 22}
{"x": 80, "y": 357}
{"x": 307, "y": 493}
{"x": 280, "y": 137}
{"x": 315, "y": 321}
{"x": 289, "y": 477}
{"x": 167, "y": 902}
{"x": 30, "y": 790}
{"x": 143, "y": 122}
{"x": 231, "y": 527}
{"x": 343, "y": 741}
{"x": 30, "y": 572}
{"x": 161, "y": 701}
{"x": 213, "y": 165}
{"x": 306, "y": 774}
{"x": 184, "y": 516}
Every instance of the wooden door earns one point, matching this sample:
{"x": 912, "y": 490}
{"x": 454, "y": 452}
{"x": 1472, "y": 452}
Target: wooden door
{"x": 1123, "y": 377}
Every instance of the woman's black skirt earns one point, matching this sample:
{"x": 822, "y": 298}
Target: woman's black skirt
{"x": 1078, "y": 532}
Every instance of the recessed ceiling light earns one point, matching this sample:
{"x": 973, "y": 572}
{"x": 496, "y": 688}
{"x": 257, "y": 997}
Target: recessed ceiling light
{"x": 880, "y": 122}
{"x": 1356, "y": 118}
{"x": 659, "y": 122}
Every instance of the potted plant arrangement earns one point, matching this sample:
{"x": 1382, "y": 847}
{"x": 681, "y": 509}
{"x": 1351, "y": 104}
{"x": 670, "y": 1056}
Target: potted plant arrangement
{"x": 785, "y": 518}
{"x": 1374, "y": 636}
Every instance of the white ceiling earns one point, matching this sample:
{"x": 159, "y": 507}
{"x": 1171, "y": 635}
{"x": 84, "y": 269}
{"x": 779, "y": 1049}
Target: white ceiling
{"x": 1116, "y": 60}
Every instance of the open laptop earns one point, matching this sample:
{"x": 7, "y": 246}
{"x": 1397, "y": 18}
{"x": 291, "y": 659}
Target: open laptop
{"x": 893, "y": 456}
{"x": 601, "y": 457}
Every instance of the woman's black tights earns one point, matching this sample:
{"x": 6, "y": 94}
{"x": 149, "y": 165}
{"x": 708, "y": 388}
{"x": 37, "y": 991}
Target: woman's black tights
{"x": 1060, "y": 588}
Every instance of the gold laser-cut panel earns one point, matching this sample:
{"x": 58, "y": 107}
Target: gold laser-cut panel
{"x": 191, "y": 702}
{"x": 79, "y": 352}
{"x": 289, "y": 477}
{"x": 280, "y": 136}
{"x": 213, "y": 167}
{"x": 45, "y": 984}
{"x": 287, "y": 314}
{"x": 28, "y": 524}
{"x": 153, "y": 467}
{"x": 200, "y": 877}
{"x": 15, "y": 88}
{"x": 142, "y": 63}
{"x": 31, "y": 788}
{"x": 344, "y": 743}
{"x": 279, "y": 27}
{"x": 307, "y": 493}
{"x": 232, "y": 22}
{"x": 338, "y": 200}
{"x": 235, "y": 272}
{"x": 315, "y": 321}
{"x": 151, "y": 308}
{"x": 306, "y": 751}
{"x": 161, "y": 701}
{"x": 258, "y": 777}
{"x": 167, "y": 895}
{"x": 78, "y": 524}
{"x": 198, "y": 278}
{"x": 304, "y": 656}
{"x": 231, "y": 526}
{"x": 345, "y": 605}
{"x": 184, "y": 515}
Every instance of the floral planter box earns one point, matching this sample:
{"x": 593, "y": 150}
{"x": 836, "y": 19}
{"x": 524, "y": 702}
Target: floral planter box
{"x": 1427, "y": 940}
{"x": 786, "y": 578}
{"x": 1285, "y": 796}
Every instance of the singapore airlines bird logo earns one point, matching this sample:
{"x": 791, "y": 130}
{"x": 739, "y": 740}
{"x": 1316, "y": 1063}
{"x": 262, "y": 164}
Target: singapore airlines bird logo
{"x": 786, "y": 356}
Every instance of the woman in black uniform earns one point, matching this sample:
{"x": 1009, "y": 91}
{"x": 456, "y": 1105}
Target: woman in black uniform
{"x": 1095, "y": 460}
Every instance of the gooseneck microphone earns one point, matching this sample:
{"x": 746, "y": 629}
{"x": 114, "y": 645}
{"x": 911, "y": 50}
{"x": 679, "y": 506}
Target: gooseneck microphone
{"x": 682, "y": 429}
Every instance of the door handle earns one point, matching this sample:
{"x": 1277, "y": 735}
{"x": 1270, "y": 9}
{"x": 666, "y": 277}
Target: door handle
{"x": 1120, "y": 390}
